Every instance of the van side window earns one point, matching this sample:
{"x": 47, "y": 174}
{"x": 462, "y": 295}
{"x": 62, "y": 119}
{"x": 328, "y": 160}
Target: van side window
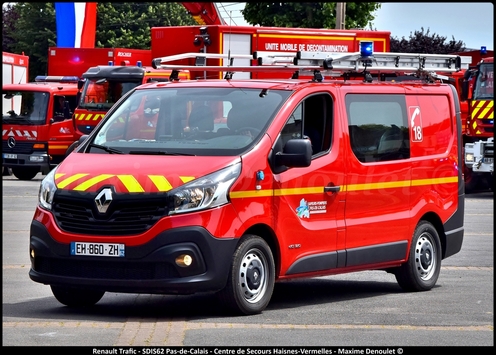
{"x": 378, "y": 127}
{"x": 312, "y": 120}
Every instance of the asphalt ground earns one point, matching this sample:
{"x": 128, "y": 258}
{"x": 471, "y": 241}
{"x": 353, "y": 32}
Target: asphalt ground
{"x": 365, "y": 309}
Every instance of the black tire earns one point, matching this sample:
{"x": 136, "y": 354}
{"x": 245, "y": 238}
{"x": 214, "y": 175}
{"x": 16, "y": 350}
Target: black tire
{"x": 251, "y": 278}
{"x": 6, "y": 171}
{"x": 25, "y": 173}
{"x": 421, "y": 271}
{"x": 76, "y": 297}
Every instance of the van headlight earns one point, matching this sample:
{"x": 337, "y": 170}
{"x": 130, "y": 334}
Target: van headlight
{"x": 47, "y": 191}
{"x": 206, "y": 192}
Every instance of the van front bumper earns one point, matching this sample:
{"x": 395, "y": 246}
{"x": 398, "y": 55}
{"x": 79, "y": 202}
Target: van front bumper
{"x": 147, "y": 268}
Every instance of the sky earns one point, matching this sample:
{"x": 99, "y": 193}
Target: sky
{"x": 469, "y": 22}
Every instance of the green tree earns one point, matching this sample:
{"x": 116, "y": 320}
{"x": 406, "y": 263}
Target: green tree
{"x": 308, "y": 14}
{"x": 423, "y": 42}
{"x": 32, "y": 33}
{"x": 10, "y": 16}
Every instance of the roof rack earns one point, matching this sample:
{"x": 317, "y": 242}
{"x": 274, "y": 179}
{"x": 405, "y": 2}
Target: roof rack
{"x": 345, "y": 65}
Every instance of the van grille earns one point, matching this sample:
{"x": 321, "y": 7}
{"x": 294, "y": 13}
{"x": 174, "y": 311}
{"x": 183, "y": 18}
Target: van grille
{"x": 127, "y": 214}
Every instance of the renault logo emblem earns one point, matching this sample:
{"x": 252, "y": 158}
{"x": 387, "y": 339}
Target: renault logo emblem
{"x": 11, "y": 142}
{"x": 103, "y": 200}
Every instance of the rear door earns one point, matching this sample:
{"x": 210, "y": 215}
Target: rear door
{"x": 379, "y": 177}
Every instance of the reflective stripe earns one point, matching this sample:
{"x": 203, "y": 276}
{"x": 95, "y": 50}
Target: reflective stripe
{"x": 160, "y": 182}
{"x": 88, "y": 183}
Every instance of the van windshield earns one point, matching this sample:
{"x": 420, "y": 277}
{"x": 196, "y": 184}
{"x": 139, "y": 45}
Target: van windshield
{"x": 189, "y": 121}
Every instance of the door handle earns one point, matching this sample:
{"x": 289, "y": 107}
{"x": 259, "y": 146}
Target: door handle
{"x": 332, "y": 189}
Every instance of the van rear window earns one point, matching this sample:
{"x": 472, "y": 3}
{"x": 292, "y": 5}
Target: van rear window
{"x": 378, "y": 127}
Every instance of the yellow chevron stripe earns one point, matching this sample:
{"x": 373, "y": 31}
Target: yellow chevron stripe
{"x": 87, "y": 184}
{"x": 131, "y": 183}
{"x": 69, "y": 180}
{"x": 160, "y": 182}
{"x": 186, "y": 179}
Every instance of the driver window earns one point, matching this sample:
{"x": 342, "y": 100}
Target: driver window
{"x": 311, "y": 120}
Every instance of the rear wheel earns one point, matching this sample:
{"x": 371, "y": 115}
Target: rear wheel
{"x": 421, "y": 271}
{"x": 76, "y": 297}
{"x": 251, "y": 278}
{"x": 25, "y": 173}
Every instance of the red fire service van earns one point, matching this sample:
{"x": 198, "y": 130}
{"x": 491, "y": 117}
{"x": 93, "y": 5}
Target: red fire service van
{"x": 230, "y": 185}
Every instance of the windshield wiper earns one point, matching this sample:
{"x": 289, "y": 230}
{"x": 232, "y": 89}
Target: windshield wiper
{"x": 107, "y": 149}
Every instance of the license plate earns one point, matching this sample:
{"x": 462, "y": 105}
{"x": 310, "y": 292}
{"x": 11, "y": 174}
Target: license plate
{"x": 488, "y": 160}
{"x": 98, "y": 249}
{"x": 9, "y": 156}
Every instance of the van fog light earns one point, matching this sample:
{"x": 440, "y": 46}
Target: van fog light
{"x": 32, "y": 253}
{"x": 184, "y": 260}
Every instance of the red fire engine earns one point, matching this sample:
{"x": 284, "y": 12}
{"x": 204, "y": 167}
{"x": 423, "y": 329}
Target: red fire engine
{"x": 37, "y": 130}
{"x": 104, "y": 85}
{"x": 245, "y": 40}
{"x": 15, "y": 68}
{"x": 478, "y": 135}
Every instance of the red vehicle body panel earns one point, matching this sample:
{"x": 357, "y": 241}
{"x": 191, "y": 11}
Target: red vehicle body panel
{"x": 75, "y": 61}
{"x": 377, "y": 204}
{"x": 250, "y": 39}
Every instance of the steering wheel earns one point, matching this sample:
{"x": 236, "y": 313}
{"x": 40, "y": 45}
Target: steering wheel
{"x": 253, "y": 131}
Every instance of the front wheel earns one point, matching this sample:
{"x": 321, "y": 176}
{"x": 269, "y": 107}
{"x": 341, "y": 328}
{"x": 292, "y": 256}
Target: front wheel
{"x": 25, "y": 173}
{"x": 76, "y": 297}
{"x": 251, "y": 278}
{"x": 421, "y": 271}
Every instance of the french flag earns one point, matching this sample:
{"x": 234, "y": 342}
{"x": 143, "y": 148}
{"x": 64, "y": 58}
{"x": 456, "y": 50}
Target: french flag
{"x": 76, "y": 24}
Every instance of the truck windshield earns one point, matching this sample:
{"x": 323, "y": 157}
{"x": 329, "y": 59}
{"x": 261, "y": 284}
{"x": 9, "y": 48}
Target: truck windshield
{"x": 189, "y": 121}
{"x": 25, "y": 107}
{"x": 484, "y": 84}
{"x": 102, "y": 94}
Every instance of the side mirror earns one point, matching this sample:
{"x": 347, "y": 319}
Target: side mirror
{"x": 297, "y": 153}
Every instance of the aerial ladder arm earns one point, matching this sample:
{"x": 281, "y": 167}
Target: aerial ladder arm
{"x": 205, "y": 13}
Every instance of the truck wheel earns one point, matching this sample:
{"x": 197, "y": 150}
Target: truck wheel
{"x": 76, "y": 297}
{"x": 421, "y": 271}
{"x": 6, "y": 171}
{"x": 25, "y": 173}
{"x": 251, "y": 278}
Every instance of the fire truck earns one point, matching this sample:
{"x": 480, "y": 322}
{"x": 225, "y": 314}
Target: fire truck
{"x": 478, "y": 135}
{"x": 37, "y": 130}
{"x": 36, "y": 124}
{"x": 102, "y": 86}
{"x": 76, "y": 61}
{"x": 222, "y": 40}
{"x": 15, "y": 69}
